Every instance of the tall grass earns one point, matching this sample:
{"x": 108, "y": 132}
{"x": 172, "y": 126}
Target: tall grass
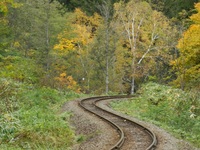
{"x": 29, "y": 117}
{"x": 173, "y": 109}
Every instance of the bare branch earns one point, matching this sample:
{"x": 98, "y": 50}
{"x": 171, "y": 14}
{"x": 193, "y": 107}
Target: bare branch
{"x": 126, "y": 80}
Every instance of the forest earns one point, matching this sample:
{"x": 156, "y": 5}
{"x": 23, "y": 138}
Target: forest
{"x": 52, "y": 51}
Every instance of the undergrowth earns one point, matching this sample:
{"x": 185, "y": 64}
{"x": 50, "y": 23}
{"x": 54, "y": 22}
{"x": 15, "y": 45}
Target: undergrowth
{"x": 30, "y": 118}
{"x": 173, "y": 109}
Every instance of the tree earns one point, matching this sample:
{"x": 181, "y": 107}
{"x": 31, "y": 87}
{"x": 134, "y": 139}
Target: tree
{"x": 187, "y": 66}
{"x": 35, "y": 25}
{"x": 146, "y": 39}
{"x": 5, "y": 32}
{"x": 106, "y": 13}
{"x": 4, "y": 6}
{"x": 172, "y": 8}
{"x": 74, "y": 43}
{"x": 131, "y": 22}
{"x": 88, "y": 6}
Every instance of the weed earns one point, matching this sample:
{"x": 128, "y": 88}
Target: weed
{"x": 31, "y": 118}
{"x": 174, "y": 109}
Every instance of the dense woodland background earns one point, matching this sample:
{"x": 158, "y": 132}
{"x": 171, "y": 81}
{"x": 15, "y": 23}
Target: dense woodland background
{"x": 102, "y": 47}
{"x": 64, "y": 47}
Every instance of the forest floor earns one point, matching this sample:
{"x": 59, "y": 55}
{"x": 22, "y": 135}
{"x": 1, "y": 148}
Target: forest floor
{"x": 93, "y": 133}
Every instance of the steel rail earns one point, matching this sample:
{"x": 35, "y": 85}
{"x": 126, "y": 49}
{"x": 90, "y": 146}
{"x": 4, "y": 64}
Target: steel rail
{"x": 119, "y": 130}
{"x": 151, "y": 133}
{"x": 120, "y": 142}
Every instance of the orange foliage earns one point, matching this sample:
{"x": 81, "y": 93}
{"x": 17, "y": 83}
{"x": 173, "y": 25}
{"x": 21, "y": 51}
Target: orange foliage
{"x": 68, "y": 82}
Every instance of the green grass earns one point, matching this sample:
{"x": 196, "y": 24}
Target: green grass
{"x": 173, "y": 109}
{"x": 30, "y": 117}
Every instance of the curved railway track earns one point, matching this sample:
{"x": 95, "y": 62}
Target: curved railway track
{"x": 132, "y": 136}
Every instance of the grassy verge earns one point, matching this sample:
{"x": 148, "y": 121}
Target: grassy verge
{"x": 173, "y": 109}
{"x": 29, "y": 117}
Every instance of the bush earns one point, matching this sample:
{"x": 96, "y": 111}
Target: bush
{"x": 174, "y": 109}
{"x": 29, "y": 117}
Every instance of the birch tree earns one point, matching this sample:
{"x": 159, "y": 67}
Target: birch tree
{"x": 131, "y": 17}
{"x": 145, "y": 35}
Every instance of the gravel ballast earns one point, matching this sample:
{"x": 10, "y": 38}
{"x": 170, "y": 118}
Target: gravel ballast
{"x": 94, "y": 134}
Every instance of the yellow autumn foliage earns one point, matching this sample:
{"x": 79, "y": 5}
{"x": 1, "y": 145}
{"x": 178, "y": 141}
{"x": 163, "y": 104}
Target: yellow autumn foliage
{"x": 196, "y": 17}
{"x": 17, "y": 44}
{"x": 64, "y": 81}
{"x": 3, "y": 7}
{"x": 65, "y": 45}
{"x": 5, "y": 4}
{"x": 80, "y": 34}
{"x": 188, "y": 64}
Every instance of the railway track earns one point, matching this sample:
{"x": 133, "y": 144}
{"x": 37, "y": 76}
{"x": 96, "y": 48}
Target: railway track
{"x": 132, "y": 136}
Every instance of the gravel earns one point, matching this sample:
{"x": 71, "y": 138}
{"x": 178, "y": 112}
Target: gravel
{"x": 94, "y": 134}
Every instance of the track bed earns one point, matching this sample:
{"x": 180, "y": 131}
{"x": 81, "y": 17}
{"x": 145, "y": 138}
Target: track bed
{"x": 131, "y": 135}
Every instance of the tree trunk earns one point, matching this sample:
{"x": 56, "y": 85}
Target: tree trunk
{"x": 107, "y": 60}
{"x": 105, "y": 11}
{"x": 132, "y": 86}
{"x": 133, "y": 76}
{"x": 47, "y": 35}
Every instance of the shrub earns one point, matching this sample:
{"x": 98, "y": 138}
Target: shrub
{"x": 30, "y": 117}
{"x": 172, "y": 108}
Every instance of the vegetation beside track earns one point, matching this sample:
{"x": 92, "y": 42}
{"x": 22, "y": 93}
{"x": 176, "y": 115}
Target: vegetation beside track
{"x": 172, "y": 109}
{"x": 30, "y": 118}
